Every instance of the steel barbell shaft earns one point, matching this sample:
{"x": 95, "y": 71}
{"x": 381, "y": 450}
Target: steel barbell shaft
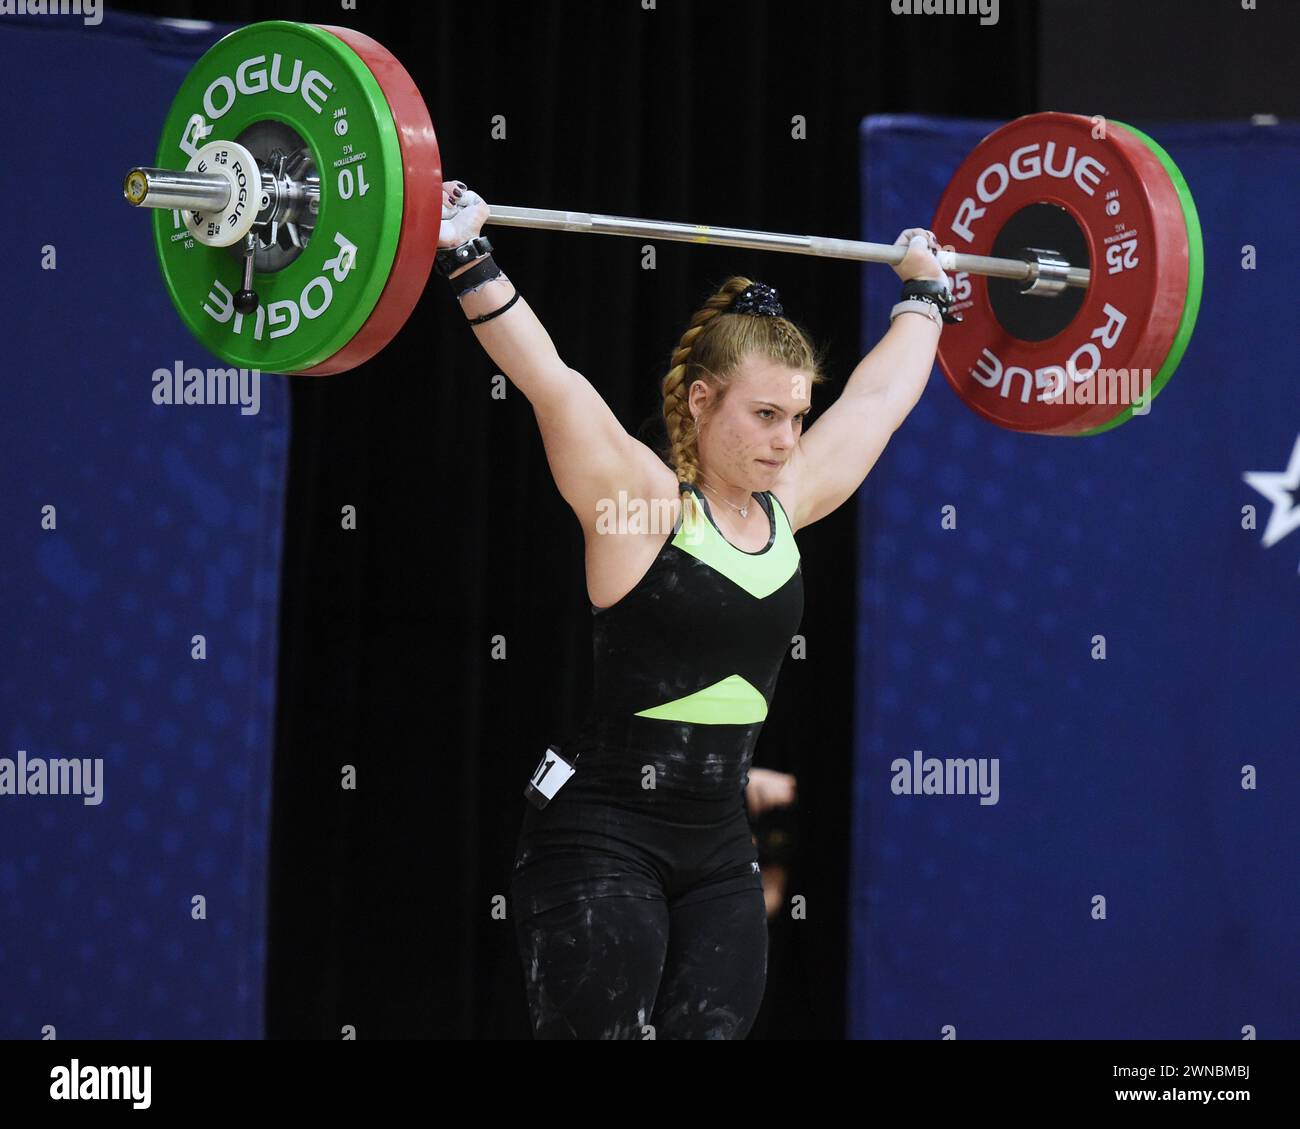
{"x": 169, "y": 188}
{"x": 1015, "y": 269}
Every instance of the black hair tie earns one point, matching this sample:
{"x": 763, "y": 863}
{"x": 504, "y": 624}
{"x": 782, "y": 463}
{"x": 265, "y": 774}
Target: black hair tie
{"x": 759, "y": 299}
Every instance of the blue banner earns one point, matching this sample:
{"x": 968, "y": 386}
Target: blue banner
{"x": 1076, "y": 711}
{"x": 139, "y": 578}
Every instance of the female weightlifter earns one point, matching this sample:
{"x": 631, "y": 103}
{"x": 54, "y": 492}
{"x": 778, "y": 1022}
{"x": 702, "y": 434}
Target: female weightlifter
{"x": 636, "y": 895}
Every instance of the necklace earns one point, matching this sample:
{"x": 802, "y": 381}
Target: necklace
{"x": 743, "y": 510}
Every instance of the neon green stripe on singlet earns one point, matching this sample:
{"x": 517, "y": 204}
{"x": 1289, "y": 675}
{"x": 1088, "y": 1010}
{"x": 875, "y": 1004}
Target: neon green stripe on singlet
{"x": 733, "y": 701}
{"x": 759, "y": 574}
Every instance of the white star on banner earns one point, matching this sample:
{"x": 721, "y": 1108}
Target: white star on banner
{"x": 1282, "y": 488}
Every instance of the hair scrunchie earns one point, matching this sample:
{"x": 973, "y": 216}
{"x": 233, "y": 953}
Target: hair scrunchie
{"x": 759, "y": 299}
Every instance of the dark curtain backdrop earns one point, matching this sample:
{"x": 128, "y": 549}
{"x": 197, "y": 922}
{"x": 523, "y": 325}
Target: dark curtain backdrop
{"x": 382, "y": 899}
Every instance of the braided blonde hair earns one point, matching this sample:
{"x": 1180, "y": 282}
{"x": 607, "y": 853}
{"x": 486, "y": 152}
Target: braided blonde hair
{"x": 712, "y": 349}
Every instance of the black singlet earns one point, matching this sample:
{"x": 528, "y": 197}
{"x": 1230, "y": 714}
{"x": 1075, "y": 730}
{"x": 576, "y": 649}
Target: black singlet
{"x": 686, "y": 664}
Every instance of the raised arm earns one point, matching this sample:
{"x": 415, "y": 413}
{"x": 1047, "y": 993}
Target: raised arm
{"x": 590, "y": 453}
{"x": 835, "y": 455}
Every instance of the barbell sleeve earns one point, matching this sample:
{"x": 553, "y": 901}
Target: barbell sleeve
{"x": 176, "y": 188}
{"x": 1017, "y": 270}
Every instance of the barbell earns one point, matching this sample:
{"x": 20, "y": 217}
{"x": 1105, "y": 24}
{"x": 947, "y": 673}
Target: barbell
{"x": 301, "y": 231}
